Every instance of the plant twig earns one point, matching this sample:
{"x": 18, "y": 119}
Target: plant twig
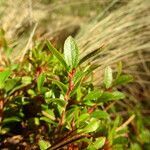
{"x": 71, "y": 84}
{"x": 68, "y": 141}
{"x": 125, "y": 123}
{"x": 67, "y": 95}
{"x": 28, "y": 43}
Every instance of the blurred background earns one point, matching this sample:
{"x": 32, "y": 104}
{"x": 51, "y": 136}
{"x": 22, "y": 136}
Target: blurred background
{"x": 109, "y": 31}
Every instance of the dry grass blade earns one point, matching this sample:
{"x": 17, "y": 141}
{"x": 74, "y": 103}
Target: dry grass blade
{"x": 28, "y": 43}
{"x": 125, "y": 36}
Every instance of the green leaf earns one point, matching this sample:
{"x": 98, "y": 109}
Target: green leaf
{"x": 62, "y": 86}
{"x": 76, "y": 86}
{"x": 57, "y": 54}
{"x": 83, "y": 117}
{"x": 99, "y": 114}
{"x": 111, "y": 96}
{"x": 4, "y": 130}
{"x": 120, "y": 140}
{"x": 93, "y": 95}
{"x": 108, "y": 77}
{"x": 72, "y": 113}
{"x": 26, "y": 80}
{"x": 144, "y": 136}
{"x": 17, "y": 88}
{"x": 84, "y": 73}
{"x": 91, "y": 127}
{"x": 14, "y": 66}
{"x": 112, "y": 132}
{"x": 123, "y": 79}
{"x": 40, "y": 81}
{"x": 3, "y": 77}
{"x": 49, "y": 121}
{"x": 11, "y": 119}
{"x": 71, "y": 52}
{"x": 78, "y": 76}
{"x": 90, "y": 98}
{"x": 118, "y": 146}
{"x": 97, "y": 144}
{"x": 135, "y": 146}
{"x": 89, "y": 102}
{"x": 10, "y": 84}
{"x": 48, "y": 94}
{"x": 36, "y": 121}
{"x": 17, "y": 83}
{"x": 49, "y": 114}
{"x": 89, "y": 56}
{"x": 44, "y": 145}
{"x": 58, "y": 101}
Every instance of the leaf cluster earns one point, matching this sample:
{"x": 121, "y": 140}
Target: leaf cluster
{"x": 51, "y": 102}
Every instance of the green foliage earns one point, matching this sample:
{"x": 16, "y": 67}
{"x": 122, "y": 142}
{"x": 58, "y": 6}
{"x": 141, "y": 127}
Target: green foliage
{"x": 123, "y": 79}
{"x": 43, "y": 145}
{"x": 97, "y": 144}
{"x": 51, "y": 97}
{"x": 108, "y": 77}
{"x": 3, "y": 77}
{"x": 40, "y": 82}
{"x": 57, "y": 54}
{"x": 111, "y": 96}
{"x": 71, "y": 52}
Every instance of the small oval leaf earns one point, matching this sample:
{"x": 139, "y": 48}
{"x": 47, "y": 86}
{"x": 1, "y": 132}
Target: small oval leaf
{"x": 111, "y": 96}
{"x": 71, "y": 52}
{"x": 3, "y": 76}
{"x": 108, "y": 77}
{"x": 44, "y": 145}
{"x": 91, "y": 127}
{"x": 40, "y": 81}
{"x": 93, "y": 95}
{"x": 123, "y": 79}
{"x": 97, "y": 144}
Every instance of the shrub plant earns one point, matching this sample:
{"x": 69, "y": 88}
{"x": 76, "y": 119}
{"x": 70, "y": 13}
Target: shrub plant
{"x": 48, "y": 101}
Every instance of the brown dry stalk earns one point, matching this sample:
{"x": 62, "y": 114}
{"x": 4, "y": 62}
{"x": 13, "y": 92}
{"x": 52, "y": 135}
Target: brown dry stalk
{"x": 68, "y": 141}
{"x": 125, "y": 123}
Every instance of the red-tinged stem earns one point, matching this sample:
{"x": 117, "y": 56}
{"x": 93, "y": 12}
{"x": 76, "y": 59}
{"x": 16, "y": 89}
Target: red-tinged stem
{"x": 67, "y": 95}
{"x": 90, "y": 110}
{"x": 71, "y": 84}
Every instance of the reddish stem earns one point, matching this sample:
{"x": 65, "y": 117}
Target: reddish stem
{"x": 67, "y": 96}
{"x": 90, "y": 110}
{"x": 71, "y": 84}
